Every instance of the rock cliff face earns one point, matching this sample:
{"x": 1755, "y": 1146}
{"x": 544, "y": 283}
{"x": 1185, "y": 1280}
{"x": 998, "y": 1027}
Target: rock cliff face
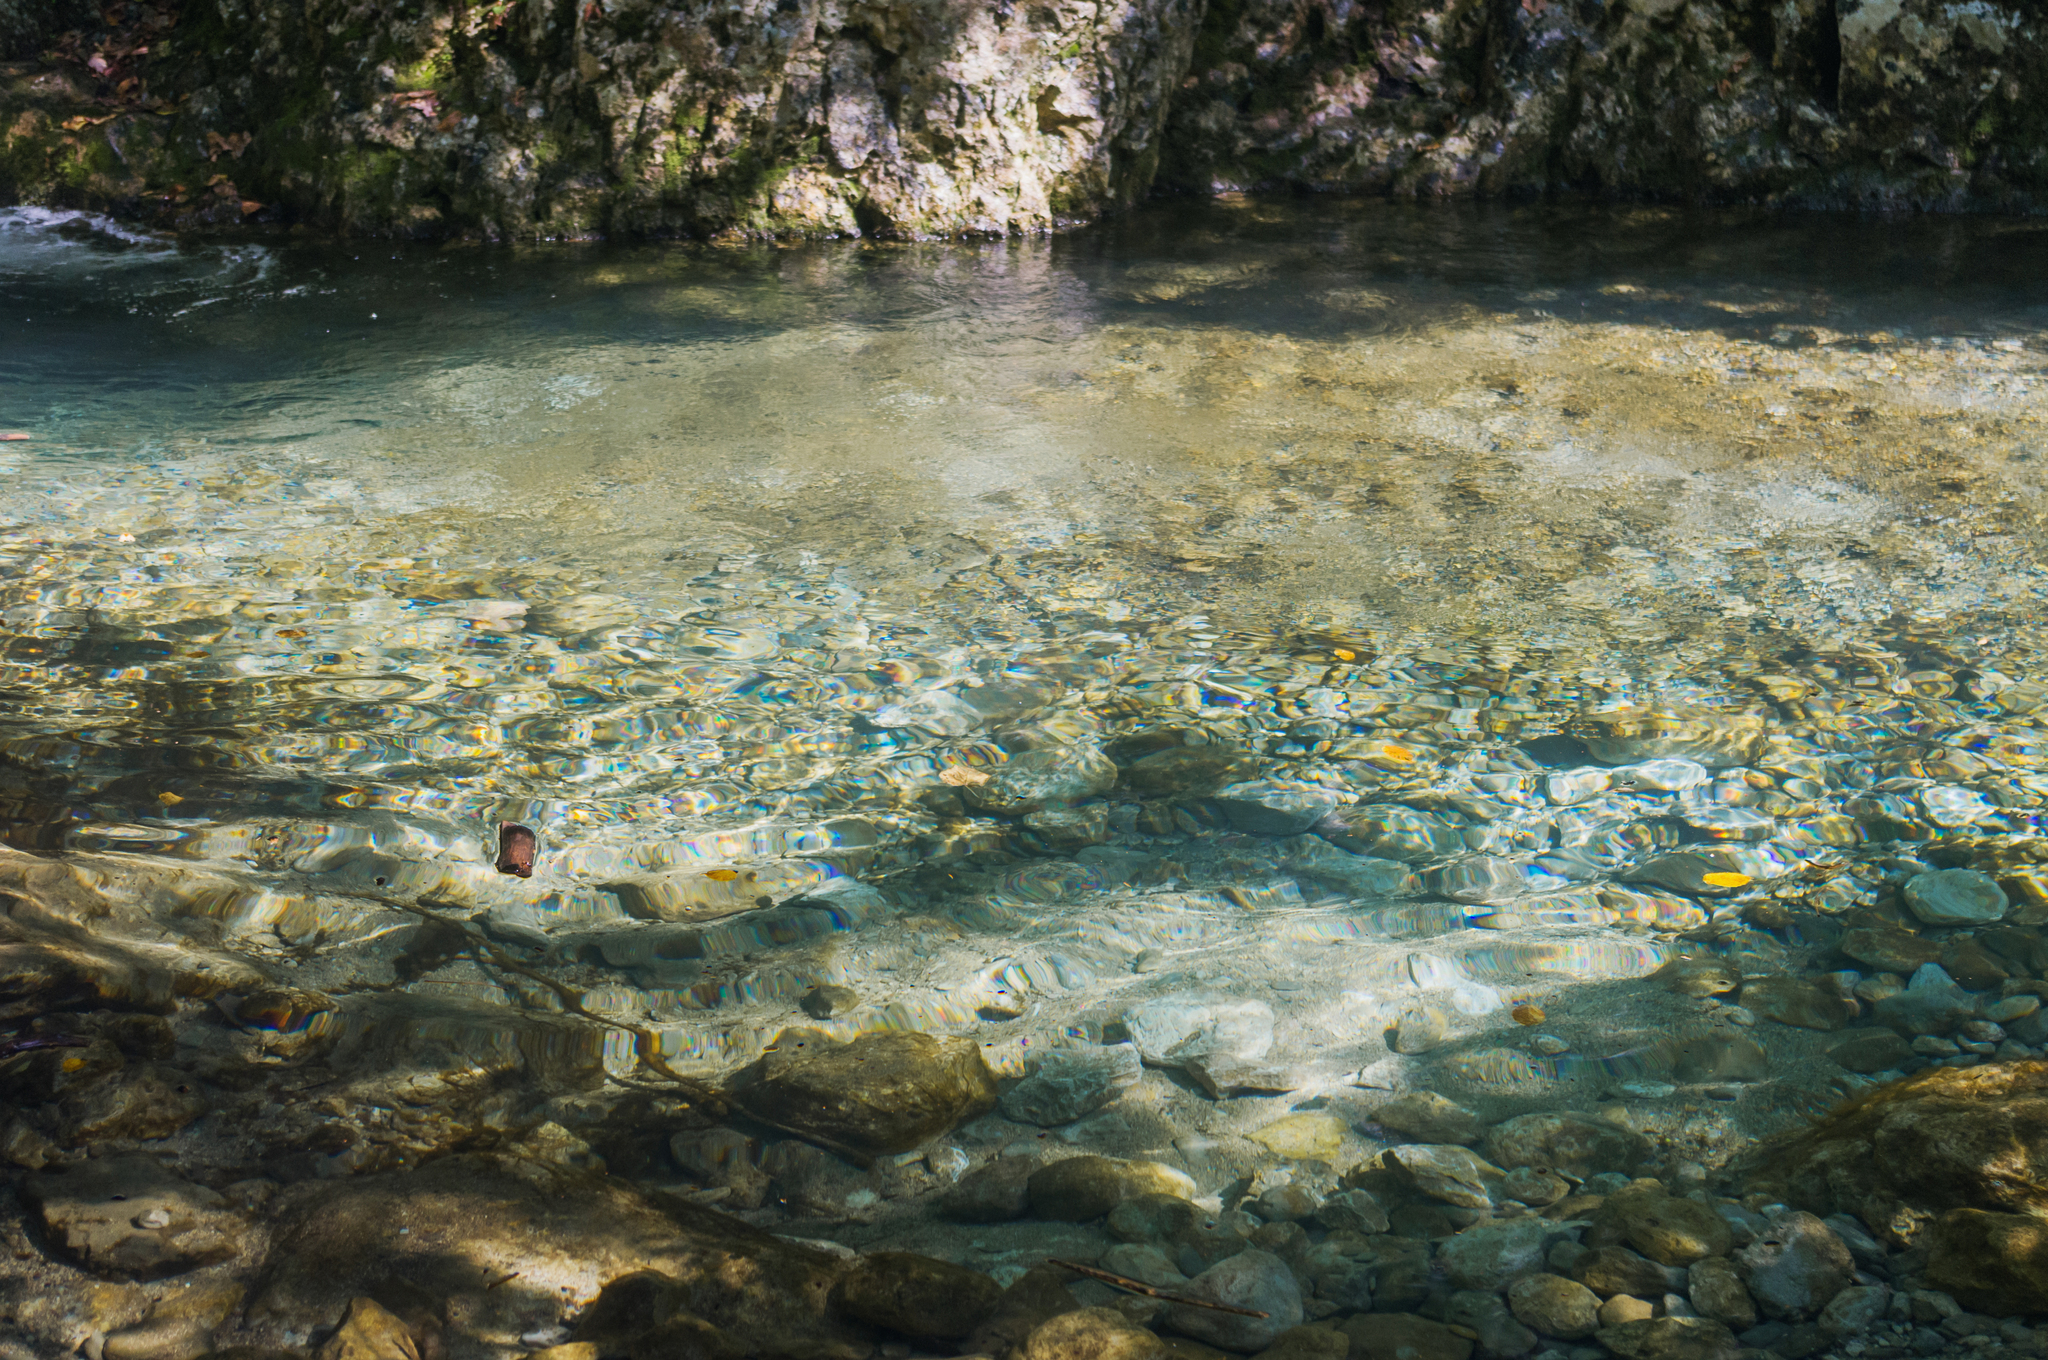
{"x": 1820, "y": 102}
{"x": 522, "y": 118}
{"x": 576, "y": 117}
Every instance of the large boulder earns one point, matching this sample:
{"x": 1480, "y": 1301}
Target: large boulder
{"x": 1992, "y": 1263}
{"x": 1942, "y": 1139}
{"x": 880, "y": 1094}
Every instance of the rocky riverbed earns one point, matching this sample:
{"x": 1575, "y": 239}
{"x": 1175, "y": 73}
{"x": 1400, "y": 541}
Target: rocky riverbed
{"x": 1449, "y": 800}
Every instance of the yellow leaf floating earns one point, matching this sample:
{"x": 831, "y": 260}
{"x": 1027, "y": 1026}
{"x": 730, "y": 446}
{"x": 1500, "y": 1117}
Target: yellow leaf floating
{"x": 723, "y": 875}
{"x": 1343, "y": 655}
{"x": 1724, "y": 880}
{"x": 169, "y": 799}
{"x": 1400, "y": 753}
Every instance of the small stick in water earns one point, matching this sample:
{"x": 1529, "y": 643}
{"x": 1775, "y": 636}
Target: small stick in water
{"x": 517, "y": 845}
{"x": 10, "y": 1047}
{"x": 1140, "y": 1287}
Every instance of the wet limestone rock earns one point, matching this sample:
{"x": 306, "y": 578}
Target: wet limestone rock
{"x": 1941, "y": 1139}
{"x": 137, "y": 1103}
{"x": 1670, "y": 1338}
{"x": 1695, "y": 873}
{"x": 1565, "y": 1141}
{"x": 1078, "y": 1189}
{"x": 456, "y": 1227}
{"x": 1455, "y": 1175}
{"x": 1888, "y": 949}
{"x": 1427, "y": 1117}
{"x": 1309, "y": 1135}
{"x": 1287, "y": 1203}
{"x": 1931, "y": 1004}
{"x": 1073, "y": 1082}
{"x": 722, "y": 1158}
{"x": 1053, "y": 777}
{"x": 1795, "y": 1001}
{"x": 1035, "y": 1297}
{"x": 1268, "y": 807}
{"x": 129, "y": 1216}
{"x": 1625, "y": 1308}
{"x": 1795, "y": 1267}
{"x": 1491, "y": 1256}
{"x": 1672, "y": 1231}
{"x": 1308, "y": 1343}
{"x": 1554, "y": 1306}
{"x": 1608, "y": 1271}
{"x": 1418, "y": 1029}
{"x": 1535, "y": 1186}
{"x": 180, "y": 1323}
{"x": 1860, "y": 1307}
{"x": 1992, "y": 1263}
{"x": 882, "y": 1093}
{"x": 1871, "y": 1050}
{"x": 1717, "y": 1057}
{"x": 1093, "y": 1334}
{"x": 1716, "y": 1290}
{"x": 1483, "y": 1312}
{"x": 918, "y": 1296}
{"x": 1170, "y": 1031}
{"x": 1357, "y": 1211}
{"x": 369, "y": 1331}
{"x": 1713, "y": 738}
{"x": 827, "y": 1000}
{"x": 995, "y": 1193}
{"x": 1391, "y": 831}
{"x": 1154, "y": 1217}
{"x": 1402, "y": 1336}
{"x": 1955, "y": 897}
{"x": 1186, "y": 771}
{"x": 1066, "y": 831}
{"x": 1698, "y": 977}
{"x": 1252, "y": 1279}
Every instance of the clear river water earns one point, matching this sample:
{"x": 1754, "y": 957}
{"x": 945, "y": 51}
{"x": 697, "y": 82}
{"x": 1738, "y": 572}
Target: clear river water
{"x": 1496, "y": 652}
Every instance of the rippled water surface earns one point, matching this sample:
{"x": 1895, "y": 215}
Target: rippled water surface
{"x": 1425, "y": 623}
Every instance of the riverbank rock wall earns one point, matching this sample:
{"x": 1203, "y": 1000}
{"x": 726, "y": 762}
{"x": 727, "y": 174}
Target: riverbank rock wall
{"x": 1822, "y": 103}
{"x": 915, "y": 118}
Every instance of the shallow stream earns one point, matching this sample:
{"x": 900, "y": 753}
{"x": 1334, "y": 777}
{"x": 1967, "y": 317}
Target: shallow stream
{"x": 1402, "y": 632}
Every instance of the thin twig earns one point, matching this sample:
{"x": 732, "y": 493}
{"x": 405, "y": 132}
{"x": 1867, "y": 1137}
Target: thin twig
{"x": 1140, "y": 1287}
